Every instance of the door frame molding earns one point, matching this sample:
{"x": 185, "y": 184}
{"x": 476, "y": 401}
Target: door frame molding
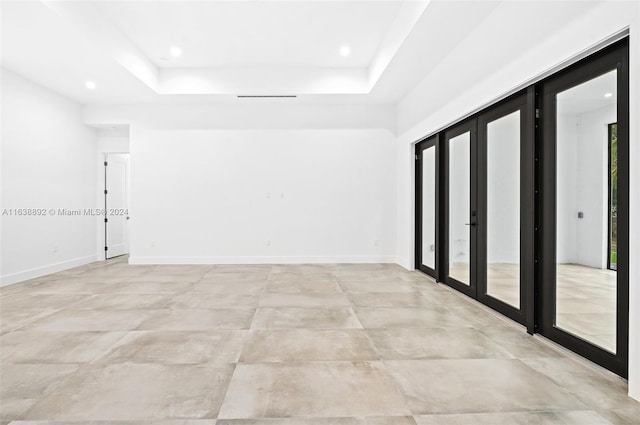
{"x": 470, "y": 126}
{"x": 524, "y": 102}
{"x": 428, "y": 143}
{"x": 615, "y": 57}
{"x": 538, "y": 202}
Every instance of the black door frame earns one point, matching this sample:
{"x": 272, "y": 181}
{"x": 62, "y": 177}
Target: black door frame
{"x": 537, "y": 168}
{"x": 470, "y": 126}
{"x": 612, "y": 58}
{"x": 524, "y": 102}
{"x": 429, "y": 143}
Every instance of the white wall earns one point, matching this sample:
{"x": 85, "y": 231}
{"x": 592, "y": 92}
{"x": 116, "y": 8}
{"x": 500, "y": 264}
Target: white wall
{"x": 452, "y": 91}
{"x": 334, "y": 164}
{"x": 582, "y": 155}
{"x": 113, "y": 144}
{"x": 48, "y": 161}
{"x": 567, "y": 187}
{"x": 229, "y": 196}
{"x": 593, "y": 187}
{"x": 247, "y": 115}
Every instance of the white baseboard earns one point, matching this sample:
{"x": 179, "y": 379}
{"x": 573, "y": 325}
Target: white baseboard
{"x": 404, "y": 262}
{"x": 259, "y": 260}
{"x": 12, "y": 278}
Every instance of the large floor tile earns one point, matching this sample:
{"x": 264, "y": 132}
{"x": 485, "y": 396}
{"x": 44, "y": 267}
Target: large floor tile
{"x": 475, "y": 314}
{"x": 626, "y": 416}
{"x": 123, "y": 302}
{"x": 128, "y": 391}
{"x": 519, "y": 343}
{"x": 383, "y": 276}
{"x": 272, "y": 299}
{"x": 91, "y": 320}
{"x": 306, "y": 272}
{"x": 301, "y": 345}
{"x": 248, "y": 276}
{"x": 56, "y": 347}
{"x": 16, "y": 319}
{"x": 72, "y": 286}
{"x": 389, "y": 299}
{"x": 148, "y": 288}
{"x": 176, "y": 347}
{"x": 408, "y": 318}
{"x": 477, "y": 386}
{"x": 22, "y": 385}
{"x": 12, "y": 408}
{"x": 110, "y": 343}
{"x": 594, "y": 388}
{"x": 210, "y": 301}
{"x": 304, "y": 286}
{"x": 198, "y": 319}
{"x": 387, "y": 420}
{"x": 371, "y": 284}
{"x": 579, "y": 417}
{"x": 434, "y": 343}
{"x": 151, "y": 422}
{"x": 49, "y": 301}
{"x": 221, "y": 287}
{"x": 309, "y": 318}
{"x": 311, "y": 390}
{"x": 26, "y": 286}
{"x": 164, "y": 277}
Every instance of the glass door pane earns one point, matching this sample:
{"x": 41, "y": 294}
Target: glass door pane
{"x": 585, "y": 284}
{"x": 429, "y": 207}
{"x": 503, "y": 208}
{"x": 613, "y": 196}
{"x": 459, "y": 207}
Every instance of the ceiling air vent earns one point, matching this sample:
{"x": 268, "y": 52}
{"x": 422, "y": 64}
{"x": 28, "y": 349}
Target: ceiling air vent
{"x": 269, "y": 96}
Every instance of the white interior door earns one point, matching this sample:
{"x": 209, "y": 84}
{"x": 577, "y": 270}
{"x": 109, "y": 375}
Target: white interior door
{"x": 117, "y": 205}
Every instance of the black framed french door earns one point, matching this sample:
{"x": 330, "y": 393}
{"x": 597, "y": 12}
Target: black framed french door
{"x": 427, "y": 206}
{"x": 488, "y": 207}
{"x": 459, "y": 259}
{"x": 531, "y": 207}
{"x": 584, "y": 304}
{"x": 505, "y": 206}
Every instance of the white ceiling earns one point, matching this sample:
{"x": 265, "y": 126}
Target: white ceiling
{"x": 237, "y": 47}
{"x": 223, "y": 34}
{"x": 229, "y": 47}
{"x": 42, "y": 47}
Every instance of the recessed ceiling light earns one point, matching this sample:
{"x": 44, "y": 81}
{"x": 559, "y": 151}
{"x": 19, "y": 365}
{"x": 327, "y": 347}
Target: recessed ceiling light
{"x": 90, "y": 85}
{"x": 345, "y": 50}
{"x": 176, "y": 51}
{"x": 608, "y": 94}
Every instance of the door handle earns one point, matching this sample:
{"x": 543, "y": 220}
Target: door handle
{"x": 470, "y": 224}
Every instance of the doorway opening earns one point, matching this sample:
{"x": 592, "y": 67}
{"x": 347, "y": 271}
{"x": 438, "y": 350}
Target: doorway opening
{"x": 116, "y": 205}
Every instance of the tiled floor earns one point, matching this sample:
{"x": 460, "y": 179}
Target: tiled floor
{"x": 586, "y": 297}
{"x": 111, "y": 343}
